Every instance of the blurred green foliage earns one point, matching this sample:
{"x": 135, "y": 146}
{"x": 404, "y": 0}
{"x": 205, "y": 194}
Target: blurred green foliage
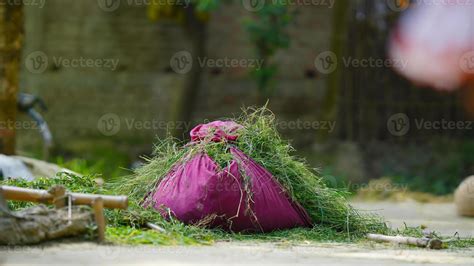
{"x": 266, "y": 27}
{"x": 439, "y": 171}
{"x": 267, "y": 31}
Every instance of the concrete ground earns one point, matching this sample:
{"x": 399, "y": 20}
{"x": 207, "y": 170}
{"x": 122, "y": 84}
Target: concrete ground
{"x": 439, "y": 217}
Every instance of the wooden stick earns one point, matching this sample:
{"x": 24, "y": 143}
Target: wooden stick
{"x": 43, "y": 196}
{"x": 419, "y": 242}
{"x": 98, "y": 206}
{"x": 156, "y": 227}
{"x": 59, "y": 196}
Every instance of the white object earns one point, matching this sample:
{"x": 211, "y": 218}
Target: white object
{"x": 14, "y": 168}
{"x": 464, "y": 197}
{"x": 435, "y": 42}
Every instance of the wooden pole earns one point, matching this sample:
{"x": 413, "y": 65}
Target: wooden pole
{"x": 59, "y": 196}
{"x": 11, "y": 35}
{"x": 43, "y": 196}
{"x": 98, "y": 206}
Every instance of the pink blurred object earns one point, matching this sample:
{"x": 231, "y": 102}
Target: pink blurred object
{"x": 435, "y": 44}
{"x": 216, "y": 131}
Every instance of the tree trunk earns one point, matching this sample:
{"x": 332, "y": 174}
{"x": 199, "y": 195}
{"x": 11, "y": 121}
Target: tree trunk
{"x": 11, "y": 34}
{"x": 339, "y": 31}
{"x": 185, "y": 98}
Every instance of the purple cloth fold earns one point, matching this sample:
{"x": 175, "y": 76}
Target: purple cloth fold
{"x": 199, "y": 189}
{"x": 216, "y": 131}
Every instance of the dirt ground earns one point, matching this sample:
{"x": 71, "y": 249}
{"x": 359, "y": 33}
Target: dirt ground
{"x": 439, "y": 217}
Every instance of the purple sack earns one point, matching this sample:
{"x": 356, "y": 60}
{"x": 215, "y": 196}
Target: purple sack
{"x": 198, "y": 191}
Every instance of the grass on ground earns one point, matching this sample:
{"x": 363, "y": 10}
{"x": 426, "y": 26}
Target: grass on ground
{"x": 334, "y": 218}
{"x": 125, "y": 227}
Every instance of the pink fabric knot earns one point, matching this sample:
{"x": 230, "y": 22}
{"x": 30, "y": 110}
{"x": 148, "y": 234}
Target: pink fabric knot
{"x": 216, "y": 131}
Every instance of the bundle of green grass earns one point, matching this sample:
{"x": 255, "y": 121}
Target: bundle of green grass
{"x": 260, "y": 140}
